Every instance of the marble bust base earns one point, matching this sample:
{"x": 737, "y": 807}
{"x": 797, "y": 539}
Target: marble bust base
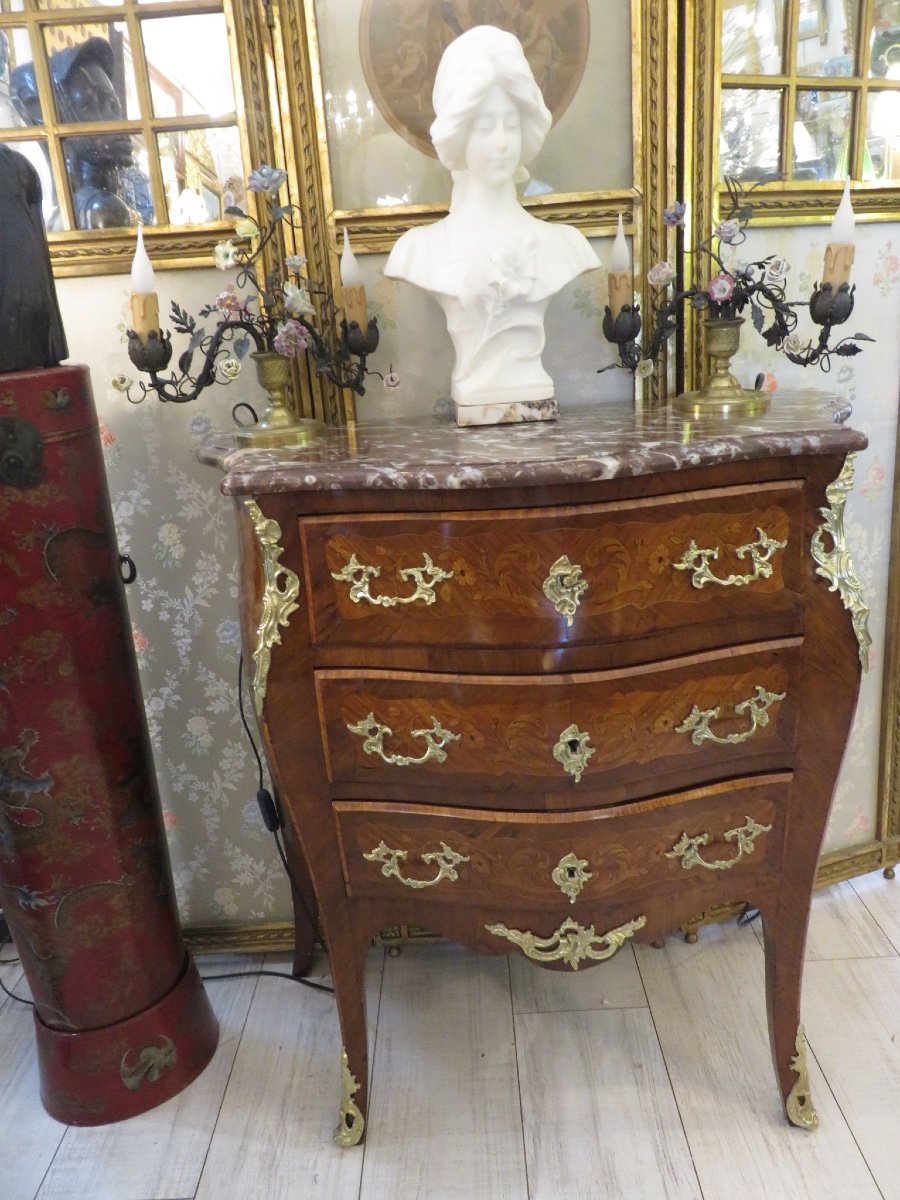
{"x": 506, "y": 412}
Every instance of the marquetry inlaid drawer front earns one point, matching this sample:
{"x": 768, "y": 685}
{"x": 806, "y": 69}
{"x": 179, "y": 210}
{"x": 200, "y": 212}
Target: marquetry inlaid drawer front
{"x": 585, "y": 573}
{"x": 498, "y": 859}
{"x": 689, "y": 719}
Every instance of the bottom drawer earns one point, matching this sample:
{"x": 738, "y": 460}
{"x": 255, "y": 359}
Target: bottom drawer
{"x": 476, "y": 857}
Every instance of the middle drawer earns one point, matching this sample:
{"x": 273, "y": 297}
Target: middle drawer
{"x": 697, "y": 719}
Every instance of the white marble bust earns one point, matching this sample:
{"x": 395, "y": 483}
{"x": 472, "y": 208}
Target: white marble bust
{"x": 491, "y": 266}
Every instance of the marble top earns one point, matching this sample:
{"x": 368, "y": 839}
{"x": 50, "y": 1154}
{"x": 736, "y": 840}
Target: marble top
{"x": 610, "y": 441}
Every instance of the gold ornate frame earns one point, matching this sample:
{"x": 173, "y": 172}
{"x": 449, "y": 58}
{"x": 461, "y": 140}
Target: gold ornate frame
{"x": 791, "y": 203}
{"x": 110, "y": 251}
{"x": 374, "y": 230}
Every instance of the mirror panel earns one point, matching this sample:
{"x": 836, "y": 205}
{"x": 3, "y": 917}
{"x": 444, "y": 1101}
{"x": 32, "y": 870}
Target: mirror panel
{"x": 749, "y": 145}
{"x": 821, "y": 134}
{"x": 752, "y": 37}
{"x": 827, "y": 35}
{"x": 181, "y": 84}
{"x": 377, "y": 94}
{"x": 202, "y": 171}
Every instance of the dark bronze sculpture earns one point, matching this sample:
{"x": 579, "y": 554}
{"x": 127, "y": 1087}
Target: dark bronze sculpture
{"x": 31, "y": 329}
{"x": 97, "y": 164}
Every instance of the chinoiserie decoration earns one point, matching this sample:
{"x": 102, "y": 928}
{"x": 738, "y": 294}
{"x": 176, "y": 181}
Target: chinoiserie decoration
{"x": 121, "y": 1017}
{"x": 724, "y": 297}
{"x": 271, "y": 318}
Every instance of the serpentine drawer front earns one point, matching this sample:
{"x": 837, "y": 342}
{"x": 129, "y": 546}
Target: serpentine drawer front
{"x": 549, "y": 690}
{"x": 708, "y": 717}
{"x": 565, "y": 861}
{"x": 507, "y": 577}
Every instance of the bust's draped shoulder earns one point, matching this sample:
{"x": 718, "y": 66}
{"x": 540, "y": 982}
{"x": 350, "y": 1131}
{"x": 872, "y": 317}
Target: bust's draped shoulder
{"x": 436, "y": 258}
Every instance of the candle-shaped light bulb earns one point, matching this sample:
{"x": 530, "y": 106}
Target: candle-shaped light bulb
{"x": 144, "y": 304}
{"x": 354, "y": 294}
{"x": 620, "y": 282}
{"x": 621, "y": 259}
{"x": 840, "y": 251}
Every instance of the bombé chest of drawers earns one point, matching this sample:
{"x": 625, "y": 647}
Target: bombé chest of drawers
{"x": 549, "y": 688}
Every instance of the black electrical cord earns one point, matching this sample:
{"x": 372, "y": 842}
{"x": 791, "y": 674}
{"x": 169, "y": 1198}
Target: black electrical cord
{"x": 3, "y": 987}
{"x": 272, "y": 820}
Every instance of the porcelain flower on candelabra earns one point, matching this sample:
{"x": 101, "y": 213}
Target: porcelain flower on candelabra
{"x": 724, "y": 288}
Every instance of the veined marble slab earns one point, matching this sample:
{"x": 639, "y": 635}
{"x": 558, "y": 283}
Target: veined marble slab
{"x": 610, "y": 441}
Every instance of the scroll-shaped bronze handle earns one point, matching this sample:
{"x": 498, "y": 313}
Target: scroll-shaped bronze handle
{"x": 374, "y": 733}
{"x": 447, "y": 861}
{"x": 696, "y": 723}
{"x": 571, "y": 943}
{"x": 688, "y": 848}
{"x": 358, "y": 575}
{"x": 760, "y": 552}
{"x": 564, "y": 587}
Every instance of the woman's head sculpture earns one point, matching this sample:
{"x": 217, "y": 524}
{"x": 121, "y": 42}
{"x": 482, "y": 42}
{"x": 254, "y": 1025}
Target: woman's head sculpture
{"x": 476, "y": 62}
{"x": 490, "y": 264}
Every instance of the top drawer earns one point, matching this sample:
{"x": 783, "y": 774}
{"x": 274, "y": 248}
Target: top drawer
{"x": 587, "y": 573}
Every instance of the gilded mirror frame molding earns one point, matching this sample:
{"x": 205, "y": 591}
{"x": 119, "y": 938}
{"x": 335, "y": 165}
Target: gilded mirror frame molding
{"x": 789, "y": 203}
{"x": 76, "y": 252}
{"x": 786, "y": 202}
{"x": 374, "y": 230}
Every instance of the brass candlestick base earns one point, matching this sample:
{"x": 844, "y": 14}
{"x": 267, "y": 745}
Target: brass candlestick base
{"x": 278, "y": 426}
{"x": 721, "y": 395}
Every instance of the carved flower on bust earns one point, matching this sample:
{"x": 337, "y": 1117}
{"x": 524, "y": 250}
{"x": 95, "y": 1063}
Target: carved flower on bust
{"x": 507, "y": 275}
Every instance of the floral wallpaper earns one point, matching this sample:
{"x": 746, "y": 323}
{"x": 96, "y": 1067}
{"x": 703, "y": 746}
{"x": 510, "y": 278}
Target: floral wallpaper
{"x": 179, "y": 530}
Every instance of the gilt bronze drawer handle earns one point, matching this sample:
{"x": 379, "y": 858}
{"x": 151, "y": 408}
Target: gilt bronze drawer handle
{"x": 358, "y": 576}
{"x": 572, "y": 751}
{"x": 697, "y": 721}
{"x": 761, "y": 551}
{"x": 447, "y": 861}
{"x": 564, "y": 587}
{"x": 571, "y": 943}
{"x": 688, "y": 848}
{"x": 374, "y": 732}
{"x": 570, "y": 875}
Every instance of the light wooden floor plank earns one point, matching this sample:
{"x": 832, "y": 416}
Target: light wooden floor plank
{"x": 273, "y": 1138}
{"x": 882, "y": 899}
{"x": 444, "y": 1118}
{"x": 161, "y": 1152}
{"x": 599, "y": 1115}
{"x": 852, "y": 1018}
{"x": 613, "y": 984}
{"x": 709, "y": 1008}
{"x": 29, "y": 1138}
{"x": 840, "y": 926}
